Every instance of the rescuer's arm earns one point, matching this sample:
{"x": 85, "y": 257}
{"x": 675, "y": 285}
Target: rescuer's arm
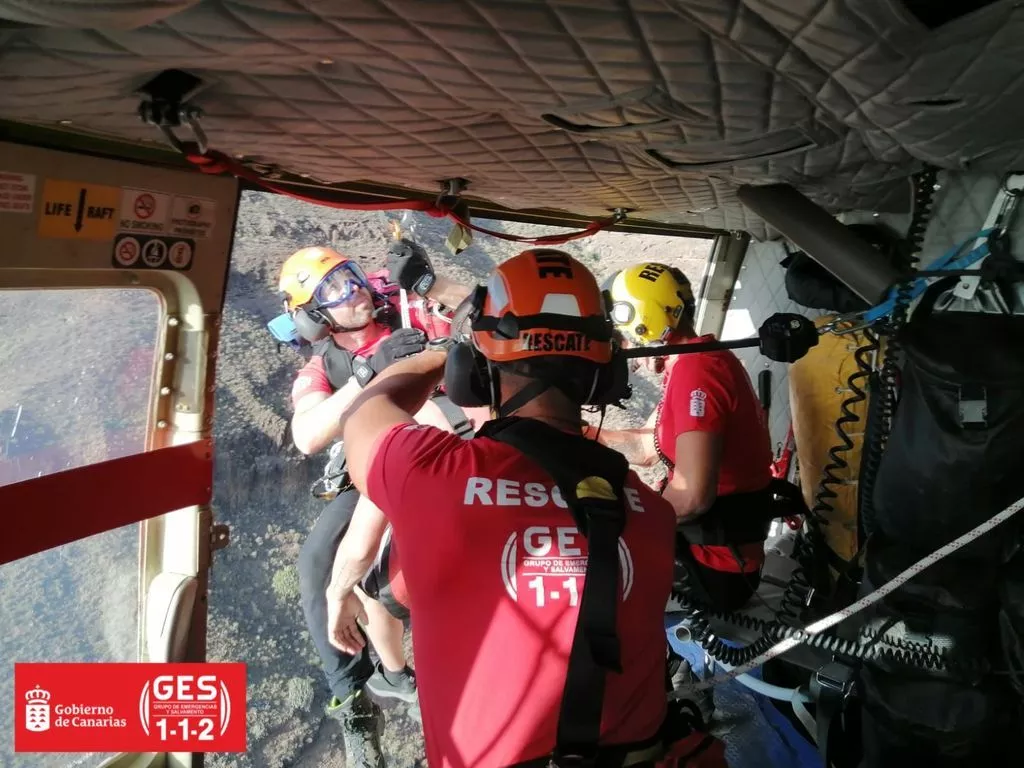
{"x": 637, "y": 445}
{"x": 351, "y": 562}
{"x": 317, "y": 420}
{"x": 693, "y": 485}
{"x": 357, "y": 549}
{"x": 447, "y": 292}
{"x": 388, "y": 401}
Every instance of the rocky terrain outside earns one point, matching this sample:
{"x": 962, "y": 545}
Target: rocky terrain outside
{"x": 81, "y": 402}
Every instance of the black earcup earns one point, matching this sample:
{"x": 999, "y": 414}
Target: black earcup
{"x": 309, "y": 326}
{"x": 612, "y": 386}
{"x": 466, "y": 381}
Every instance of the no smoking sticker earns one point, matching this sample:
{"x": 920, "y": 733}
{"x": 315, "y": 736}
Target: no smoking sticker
{"x": 144, "y": 211}
{"x": 141, "y": 252}
{"x": 126, "y": 251}
{"x": 145, "y": 206}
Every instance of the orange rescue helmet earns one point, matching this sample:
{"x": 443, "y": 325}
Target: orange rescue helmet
{"x": 539, "y": 303}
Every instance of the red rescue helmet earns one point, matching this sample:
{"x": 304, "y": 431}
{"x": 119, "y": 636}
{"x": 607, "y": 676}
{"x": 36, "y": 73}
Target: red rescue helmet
{"x": 539, "y": 303}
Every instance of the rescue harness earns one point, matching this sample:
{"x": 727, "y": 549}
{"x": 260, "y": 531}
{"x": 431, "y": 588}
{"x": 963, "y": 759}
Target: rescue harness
{"x": 591, "y": 479}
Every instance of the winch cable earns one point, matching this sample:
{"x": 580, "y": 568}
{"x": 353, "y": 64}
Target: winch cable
{"x": 794, "y": 637}
{"x": 214, "y": 162}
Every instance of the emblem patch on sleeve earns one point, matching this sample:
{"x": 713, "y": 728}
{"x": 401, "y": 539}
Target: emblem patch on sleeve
{"x": 698, "y": 400}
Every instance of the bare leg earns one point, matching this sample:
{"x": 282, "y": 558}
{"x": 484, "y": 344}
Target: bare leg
{"x": 385, "y": 632}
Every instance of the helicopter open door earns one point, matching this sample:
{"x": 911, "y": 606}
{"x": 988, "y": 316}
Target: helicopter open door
{"x": 112, "y": 279}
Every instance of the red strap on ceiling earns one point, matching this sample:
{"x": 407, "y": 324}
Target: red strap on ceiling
{"x": 215, "y": 162}
{"x": 56, "y": 509}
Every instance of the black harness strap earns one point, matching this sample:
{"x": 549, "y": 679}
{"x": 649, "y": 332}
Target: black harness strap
{"x": 591, "y": 479}
{"x": 455, "y": 416}
{"x": 339, "y": 365}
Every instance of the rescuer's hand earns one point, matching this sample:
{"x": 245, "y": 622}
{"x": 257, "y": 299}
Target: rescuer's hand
{"x": 402, "y": 343}
{"x": 410, "y": 267}
{"x": 343, "y": 631}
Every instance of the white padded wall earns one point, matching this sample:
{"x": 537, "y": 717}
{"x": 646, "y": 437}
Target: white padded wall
{"x": 759, "y": 293}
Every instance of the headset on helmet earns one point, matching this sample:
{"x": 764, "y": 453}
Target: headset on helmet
{"x": 314, "y": 280}
{"x": 539, "y": 306}
{"x": 649, "y": 301}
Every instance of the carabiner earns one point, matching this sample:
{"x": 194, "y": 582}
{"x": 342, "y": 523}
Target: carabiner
{"x": 850, "y": 322}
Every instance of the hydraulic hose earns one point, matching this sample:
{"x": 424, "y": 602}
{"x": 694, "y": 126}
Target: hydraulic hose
{"x": 767, "y": 689}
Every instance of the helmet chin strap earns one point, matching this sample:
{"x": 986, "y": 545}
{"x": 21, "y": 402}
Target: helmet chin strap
{"x": 531, "y": 391}
{"x": 505, "y": 409}
{"x": 337, "y": 327}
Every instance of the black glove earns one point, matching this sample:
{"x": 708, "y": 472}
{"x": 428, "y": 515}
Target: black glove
{"x": 401, "y": 343}
{"x": 409, "y": 266}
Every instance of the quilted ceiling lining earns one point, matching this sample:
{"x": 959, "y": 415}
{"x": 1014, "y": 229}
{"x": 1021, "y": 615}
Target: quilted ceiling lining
{"x": 661, "y": 106}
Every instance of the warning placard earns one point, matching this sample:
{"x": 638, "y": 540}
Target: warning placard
{"x": 144, "y": 212}
{"x": 192, "y": 217}
{"x": 17, "y": 192}
{"x": 126, "y": 251}
{"x": 180, "y": 254}
{"x": 82, "y": 211}
{"x": 149, "y": 252}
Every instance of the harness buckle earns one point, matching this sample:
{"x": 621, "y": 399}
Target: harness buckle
{"x": 972, "y": 406}
{"x": 834, "y": 680}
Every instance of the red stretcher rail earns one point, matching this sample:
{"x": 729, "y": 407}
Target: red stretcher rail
{"x": 48, "y": 511}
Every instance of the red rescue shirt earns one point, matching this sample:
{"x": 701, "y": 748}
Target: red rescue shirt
{"x": 711, "y": 392}
{"x": 312, "y": 377}
{"x": 494, "y": 568}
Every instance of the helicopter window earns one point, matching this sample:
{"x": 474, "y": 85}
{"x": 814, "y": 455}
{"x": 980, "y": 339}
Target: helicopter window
{"x": 75, "y": 390}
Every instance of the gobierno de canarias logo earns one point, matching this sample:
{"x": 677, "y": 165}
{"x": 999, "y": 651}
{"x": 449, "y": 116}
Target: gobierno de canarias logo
{"x": 130, "y": 707}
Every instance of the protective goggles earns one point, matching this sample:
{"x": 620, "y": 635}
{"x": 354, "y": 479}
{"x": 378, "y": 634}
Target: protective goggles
{"x": 340, "y": 285}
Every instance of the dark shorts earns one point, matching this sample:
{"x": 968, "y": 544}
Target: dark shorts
{"x": 385, "y": 581}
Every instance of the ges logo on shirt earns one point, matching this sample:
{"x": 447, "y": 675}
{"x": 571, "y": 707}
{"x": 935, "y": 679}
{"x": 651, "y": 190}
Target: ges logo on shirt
{"x": 544, "y": 565}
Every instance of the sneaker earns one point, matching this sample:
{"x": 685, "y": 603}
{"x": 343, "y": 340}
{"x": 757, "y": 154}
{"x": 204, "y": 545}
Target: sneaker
{"x": 393, "y": 685}
{"x": 704, "y": 700}
{"x": 362, "y": 726}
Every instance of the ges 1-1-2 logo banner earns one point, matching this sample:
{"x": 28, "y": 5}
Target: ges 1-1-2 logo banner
{"x": 129, "y": 708}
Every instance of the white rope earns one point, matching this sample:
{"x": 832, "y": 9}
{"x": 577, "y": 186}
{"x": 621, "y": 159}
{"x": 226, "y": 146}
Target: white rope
{"x": 788, "y": 644}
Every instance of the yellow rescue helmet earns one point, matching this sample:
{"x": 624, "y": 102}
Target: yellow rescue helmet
{"x": 306, "y": 270}
{"x": 649, "y": 301}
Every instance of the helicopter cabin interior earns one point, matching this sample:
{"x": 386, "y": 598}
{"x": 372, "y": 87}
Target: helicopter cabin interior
{"x": 857, "y": 163}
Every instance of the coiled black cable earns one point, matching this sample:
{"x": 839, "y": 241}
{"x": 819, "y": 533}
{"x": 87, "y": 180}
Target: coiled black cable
{"x": 924, "y": 200}
{"x": 904, "y": 652}
{"x": 799, "y": 590}
{"x": 797, "y": 594}
{"x": 871, "y": 646}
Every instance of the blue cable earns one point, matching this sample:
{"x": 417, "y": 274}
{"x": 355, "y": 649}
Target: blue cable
{"x": 948, "y": 260}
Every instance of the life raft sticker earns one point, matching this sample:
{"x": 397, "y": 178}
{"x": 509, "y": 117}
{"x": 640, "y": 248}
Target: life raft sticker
{"x": 17, "y": 192}
{"x": 149, "y": 252}
{"x": 144, "y": 211}
{"x": 71, "y": 209}
{"x": 192, "y": 217}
